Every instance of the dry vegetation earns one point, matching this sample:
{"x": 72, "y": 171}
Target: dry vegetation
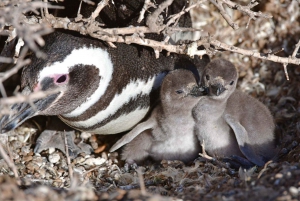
{"x": 262, "y": 40}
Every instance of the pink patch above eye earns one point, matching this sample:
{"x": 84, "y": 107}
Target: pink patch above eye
{"x": 61, "y": 79}
{"x": 57, "y": 79}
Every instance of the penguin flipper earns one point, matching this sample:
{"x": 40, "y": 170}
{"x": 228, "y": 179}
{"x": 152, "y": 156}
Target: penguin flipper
{"x": 55, "y": 139}
{"x": 243, "y": 141}
{"x": 150, "y": 123}
{"x": 53, "y": 136}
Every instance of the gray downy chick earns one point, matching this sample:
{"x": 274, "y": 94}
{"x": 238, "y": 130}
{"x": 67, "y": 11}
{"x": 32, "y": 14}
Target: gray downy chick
{"x": 169, "y": 131}
{"x": 230, "y": 122}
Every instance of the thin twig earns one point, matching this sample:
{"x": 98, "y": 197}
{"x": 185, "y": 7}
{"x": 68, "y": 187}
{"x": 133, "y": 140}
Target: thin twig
{"x": 68, "y": 158}
{"x": 6, "y": 60}
{"x": 224, "y": 14}
{"x": 2, "y": 89}
{"x": 9, "y": 161}
{"x": 285, "y": 71}
{"x": 296, "y": 50}
{"x": 117, "y": 36}
{"x": 178, "y": 15}
{"x": 20, "y": 98}
{"x": 246, "y": 9}
{"x": 72, "y": 25}
{"x": 46, "y": 7}
{"x": 147, "y": 4}
{"x": 94, "y": 168}
{"x": 18, "y": 66}
{"x": 14, "y": 14}
{"x": 151, "y": 21}
{"x": 79, "y": 8}
{"x": 264, "y": 169}
{"x": 141, "y": 181}
{"x": 252, "y": 53}
{"x": 97, "y": 11}
{"x": 14, "y": 70}
{"x": 89, "y": 2}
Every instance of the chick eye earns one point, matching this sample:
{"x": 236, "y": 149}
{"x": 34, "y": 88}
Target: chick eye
{"x": 207, "y": 77}
{"x": 231, "y": 83}
{"x": 179, "y": 91}
{"x": 61, "y": 79}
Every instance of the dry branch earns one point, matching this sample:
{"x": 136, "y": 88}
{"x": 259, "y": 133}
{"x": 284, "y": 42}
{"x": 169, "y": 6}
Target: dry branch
{"x": 17, "y": 67}
{"x": 141, "y": 181}
{"x": 296, "y": 50}
{"x": 269, "y": 57}
{"x": 152, "y": 20}
{"x": 147, "y": 4}
{"x": 68, "y": 158}
{"x": 19, "y": 98}
{"x": 178, "y": 15}
{"x": 224, "y": 14}
{"x": 245, "y": 9}
{"x": 31, "y": 33}
{"x": 116, "y": 35}
{"x": 6, "y": 60}
{"x": 38, "y": 26}
{"x": 9, "y": 161}
{"x": 128, "y": 35}
{"x": 100, "y": 6}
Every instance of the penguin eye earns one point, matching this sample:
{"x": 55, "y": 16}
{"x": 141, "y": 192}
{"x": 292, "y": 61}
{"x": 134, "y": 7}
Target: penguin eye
{"x": 179, "y": 91}
{"x": 61, "y": 79}
{"x": 231, "y": 83}
{"x": 207, "y": 77}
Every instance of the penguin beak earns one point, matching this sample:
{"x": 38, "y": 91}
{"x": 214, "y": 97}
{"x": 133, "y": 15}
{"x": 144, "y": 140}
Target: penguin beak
{"x": 23, "y": 111}
{"x": 217, "y": 89}
{"x": 198, "y": 91}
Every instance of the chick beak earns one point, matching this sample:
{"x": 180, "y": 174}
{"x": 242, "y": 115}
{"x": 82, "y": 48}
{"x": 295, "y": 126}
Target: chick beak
{"x": 197, "y": 91}
{"x": 217, "y": 89}
{"x": 20, "y": 112}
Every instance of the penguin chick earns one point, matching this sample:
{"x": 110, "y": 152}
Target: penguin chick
{"x": 168, "y": 133}
{"x": 231, "y": 122}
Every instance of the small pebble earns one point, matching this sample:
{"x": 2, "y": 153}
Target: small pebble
{"x": 94, "y": 161}
{"x": 94, "y": 145}
{"x": 15, "y": 144}
{"x": 54, "y": 158}
{"x": 278, "y": 176}
{"x": 25, "y": 149}
{"x": 27, "y": 158}
{"x": 79, "y": 160}
{"x": 294, "y": 191}
{"x": 85, "y": 135}
{"x": 93, "y": 138}
{"x": 21, "y": 138}
{"x": 51, "y": 150}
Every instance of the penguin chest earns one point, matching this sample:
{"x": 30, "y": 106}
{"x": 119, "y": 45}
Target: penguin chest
{"x": 179, "y": 142}
{"x": 123, "y": 111}
{"x": 122, "y": 123}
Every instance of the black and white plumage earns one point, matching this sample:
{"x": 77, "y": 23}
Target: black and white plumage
{"x": 169, "y": 132}
{"x": 231, "y": 123}
{"x": 102, "y": 90}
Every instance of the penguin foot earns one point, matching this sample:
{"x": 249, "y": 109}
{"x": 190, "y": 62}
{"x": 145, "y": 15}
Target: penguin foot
{"x": 130, "y": 166}
{"x": 236, "y": 162}
{"x": 55, "y": 139}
